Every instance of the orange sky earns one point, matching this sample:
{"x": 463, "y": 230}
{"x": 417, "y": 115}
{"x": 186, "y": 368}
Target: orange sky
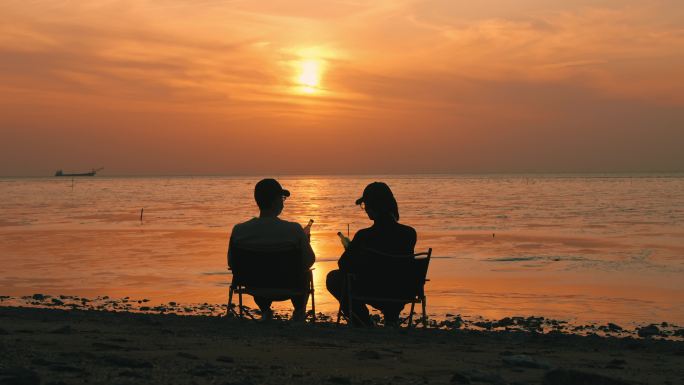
{"x": 311, "y": 87}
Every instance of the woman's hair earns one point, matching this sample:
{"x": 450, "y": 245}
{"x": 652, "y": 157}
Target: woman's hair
{"x": 378, "y": 197}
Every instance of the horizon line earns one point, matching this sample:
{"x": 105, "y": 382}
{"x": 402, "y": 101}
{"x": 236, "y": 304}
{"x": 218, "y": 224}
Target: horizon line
{"x": 389, "y": 174}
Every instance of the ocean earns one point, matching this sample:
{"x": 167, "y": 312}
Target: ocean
{"x": 581, "y": 248}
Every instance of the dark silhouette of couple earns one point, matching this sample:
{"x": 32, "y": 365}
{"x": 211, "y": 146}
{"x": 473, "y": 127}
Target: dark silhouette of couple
{"x": 270, "y": 233}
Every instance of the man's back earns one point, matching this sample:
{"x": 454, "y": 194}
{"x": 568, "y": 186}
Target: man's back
{"x": 271, "y": 233}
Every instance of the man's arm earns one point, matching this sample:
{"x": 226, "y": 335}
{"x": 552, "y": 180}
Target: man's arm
{"x": 308, "y": 255}
{"x": 230, "y": 244}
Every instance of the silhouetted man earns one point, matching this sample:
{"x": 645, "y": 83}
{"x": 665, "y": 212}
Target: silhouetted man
{"x": 268, "y": 232}
{"x": 386, "y": 235}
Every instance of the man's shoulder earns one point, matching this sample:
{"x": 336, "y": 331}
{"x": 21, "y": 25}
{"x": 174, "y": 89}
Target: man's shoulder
{"x": 268, "y": 225}
{"x": 294, "y": 225}
{"x": 245, "y": 224}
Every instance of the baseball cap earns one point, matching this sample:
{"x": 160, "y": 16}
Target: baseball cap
{"x": 379, "y": 196}
{"x": 268, "y": 189}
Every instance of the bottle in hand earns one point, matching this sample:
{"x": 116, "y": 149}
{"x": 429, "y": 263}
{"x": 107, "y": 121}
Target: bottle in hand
{"x": 345, "y": 241}
{"x": 307, "y": 229}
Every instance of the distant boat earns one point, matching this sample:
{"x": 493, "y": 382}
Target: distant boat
{"x": 91, "y": 173}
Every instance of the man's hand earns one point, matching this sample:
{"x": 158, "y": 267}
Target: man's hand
{"x": 307, "y": 229}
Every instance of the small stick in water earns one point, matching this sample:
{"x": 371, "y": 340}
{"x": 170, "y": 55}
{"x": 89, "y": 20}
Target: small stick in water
{"x": 141, "y": 214}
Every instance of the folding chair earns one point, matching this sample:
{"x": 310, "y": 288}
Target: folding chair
{"x": 269, "y": 273}
{"x": 389, "y": 278}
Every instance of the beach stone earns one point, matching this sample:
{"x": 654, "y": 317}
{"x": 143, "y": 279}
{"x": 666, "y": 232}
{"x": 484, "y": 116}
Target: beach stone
{"x": 66, "y": 329}
{"x": 616, "y": 364}
{"x": 507, "y": 321}
{"x": 108, "y": 346}
{"x": 57, "y": 302}
{"x": 679, "y": 333}
{"x": 41, "y": 362}
{"x": 459, "y": 378}
{"x": 133, "y": 374}
{"x": 367, "y": 355}
{"x": 648, "y": 331}
{"x": 19, "y": 376}
{"x": 576, "y": 377}
{"x": 39, "y": 297}
{"x": 525, "y": 361}
{"x": 339, "y": 380}
{"x": 126, "y": 362}
{"x": 205, "y": 370}
{"x": 64, "y": 368}
{"x": 225, "y": 359}
{"x": 613, "y": 327}
{"x": 488, "y": 378}
{"x": 187, "y": 355}
{"x": 456, "y": 323}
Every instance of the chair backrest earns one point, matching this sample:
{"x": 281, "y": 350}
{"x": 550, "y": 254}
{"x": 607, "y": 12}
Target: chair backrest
{"x": 272, "y": 269}
{"x": 392, "y": 276}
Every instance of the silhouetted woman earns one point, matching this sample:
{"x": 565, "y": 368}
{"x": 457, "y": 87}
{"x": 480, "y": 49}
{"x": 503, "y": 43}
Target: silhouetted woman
{"x": 386, "y": 235}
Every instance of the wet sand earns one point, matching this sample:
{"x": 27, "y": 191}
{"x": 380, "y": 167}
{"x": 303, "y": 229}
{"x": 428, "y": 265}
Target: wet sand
{"x": 55, "y": 346}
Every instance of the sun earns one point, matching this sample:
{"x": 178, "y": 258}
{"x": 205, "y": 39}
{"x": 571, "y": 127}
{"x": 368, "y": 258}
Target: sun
{"x": 309, "y": 75}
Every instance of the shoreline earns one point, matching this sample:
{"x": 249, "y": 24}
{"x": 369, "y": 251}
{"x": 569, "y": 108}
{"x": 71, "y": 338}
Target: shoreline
{"x": 515, "y": 323}
{"x": 85, "y": 346}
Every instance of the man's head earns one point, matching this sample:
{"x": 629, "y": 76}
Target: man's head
{"x": 378, "y": 201}
{"x": 269, "y": 196}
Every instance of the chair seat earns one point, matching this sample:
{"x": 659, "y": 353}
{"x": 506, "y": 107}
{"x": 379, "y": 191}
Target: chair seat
{"x": 378, "y": 283}
{"x": 274, "y": 274}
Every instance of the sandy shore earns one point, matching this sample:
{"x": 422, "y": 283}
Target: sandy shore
{"x": 54, "y": 346}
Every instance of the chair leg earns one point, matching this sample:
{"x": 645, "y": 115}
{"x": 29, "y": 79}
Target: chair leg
{"x": 339, "y": 315}
{"x": 230, "y": 301}
{"x": 240, "y": 302}
{"x": 410, "y": 318}
{"x": 313, "y": 302}
{"x": 350, "y": 315}
{"x": 423, "y": 301}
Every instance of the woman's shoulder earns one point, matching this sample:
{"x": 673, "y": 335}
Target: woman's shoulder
{"x": 406, "y": 228}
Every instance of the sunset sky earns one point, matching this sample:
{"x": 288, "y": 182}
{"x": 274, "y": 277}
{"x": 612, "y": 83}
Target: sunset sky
{"x": 315, "y": 87}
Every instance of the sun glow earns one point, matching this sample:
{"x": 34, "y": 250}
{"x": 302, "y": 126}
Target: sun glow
{"x": 309, "y": 75}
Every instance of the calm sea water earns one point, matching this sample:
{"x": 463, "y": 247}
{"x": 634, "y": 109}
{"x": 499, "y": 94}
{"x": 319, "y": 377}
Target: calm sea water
{"x": 575, "y": 248}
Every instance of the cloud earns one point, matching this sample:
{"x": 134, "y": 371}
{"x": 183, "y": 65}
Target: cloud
{"x": 488, "y": 86}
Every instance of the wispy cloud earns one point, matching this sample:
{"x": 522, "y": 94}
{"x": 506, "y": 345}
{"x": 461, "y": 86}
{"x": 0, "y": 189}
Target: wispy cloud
{"x": 444, "y": 71}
